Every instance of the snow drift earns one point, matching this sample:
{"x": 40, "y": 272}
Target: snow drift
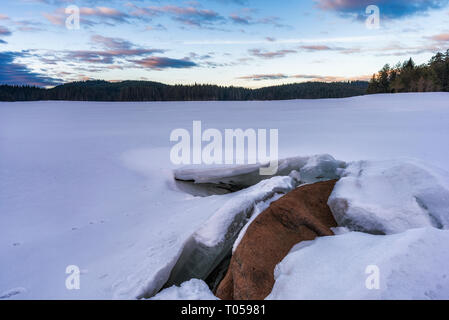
{"x": 411, "y": 265}
{"x": 311, "y": 169}
{"x": 213, "y": 241}
{"x": 194, "y": 289}
{"x": 384, "y": 197}
{"x": 91, "y": 184}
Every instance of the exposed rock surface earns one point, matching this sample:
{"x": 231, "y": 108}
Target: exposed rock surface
{"x": 300, "y": 215}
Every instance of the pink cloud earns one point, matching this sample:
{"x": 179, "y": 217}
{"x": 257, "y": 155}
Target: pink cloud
{"x": 442, "y": 37}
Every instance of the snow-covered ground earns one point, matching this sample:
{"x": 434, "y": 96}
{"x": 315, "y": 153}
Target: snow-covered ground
{"x": 91, "y": 184}
{"x": 392, "y": 196}
{"x": 410, "y": 265}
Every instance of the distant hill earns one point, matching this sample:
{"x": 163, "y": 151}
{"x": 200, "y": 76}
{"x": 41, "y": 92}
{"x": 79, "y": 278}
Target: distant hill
{"x": 100, "y": 90}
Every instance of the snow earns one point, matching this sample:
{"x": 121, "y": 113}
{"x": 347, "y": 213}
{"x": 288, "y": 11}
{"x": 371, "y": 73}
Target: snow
{"x": 194, "y": 289}
{"x": 410, "y": 265}
{"x": 12, "y": 292}
{"x": 216, "y": 228}
{"x": 311, "y": 169}
{"x": 321, "y": 167}
{"x": 91, "y": 183}
{"x": 212, "y": 242}
{"x": 391, "y": 196}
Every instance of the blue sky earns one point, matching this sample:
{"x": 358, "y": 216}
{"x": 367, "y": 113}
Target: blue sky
{"x": 251, "y": 43}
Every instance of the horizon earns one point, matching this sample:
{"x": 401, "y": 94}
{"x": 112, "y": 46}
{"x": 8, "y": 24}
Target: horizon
{"x": 240, "y": 43}
{"x": 186, "y": 84}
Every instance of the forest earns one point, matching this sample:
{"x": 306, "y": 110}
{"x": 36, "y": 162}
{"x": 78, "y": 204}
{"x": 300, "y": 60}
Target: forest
{"x": 409, "y": 77}
{"x": 99, "y": 90}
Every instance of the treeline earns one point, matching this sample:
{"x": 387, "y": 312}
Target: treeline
{"x": 21, "y": 93}
{"x": 409, "y": 77}
{"x": 153, "y": 91}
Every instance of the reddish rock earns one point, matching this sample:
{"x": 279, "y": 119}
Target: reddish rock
{"x": 300, "y": 215}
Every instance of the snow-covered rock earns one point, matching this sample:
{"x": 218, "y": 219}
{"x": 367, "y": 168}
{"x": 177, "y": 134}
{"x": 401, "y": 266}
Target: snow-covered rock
{"x": 194, "y": 289}
{"x": 217, "y": 228}
{"x": 213, "y": 241}
{"x": 319, "y": 168}
{"x": 311, "y": 169}
{"x": 409, "y": 265}
{"x": 384, "y": 197}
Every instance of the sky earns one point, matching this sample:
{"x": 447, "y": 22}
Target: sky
{"x": 249, "y": 43}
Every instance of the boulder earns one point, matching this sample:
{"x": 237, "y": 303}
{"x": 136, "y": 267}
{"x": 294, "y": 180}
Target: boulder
{"x": 300, "y": 215}
{"x": 391, "y": 196}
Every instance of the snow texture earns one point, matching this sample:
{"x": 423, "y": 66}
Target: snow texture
{"x": 409, "y": 265}
{"x": 311, "y": 169}
{"x": 91, "y": 183}
{"x": 212, "y": 242}
{"x": 384, "y": 197}
{"x": 220, "y": 225}
{"x": 194, "y": 289}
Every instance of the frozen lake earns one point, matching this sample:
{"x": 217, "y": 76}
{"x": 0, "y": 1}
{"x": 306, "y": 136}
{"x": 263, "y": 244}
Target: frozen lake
{"x": 91, "y": 184}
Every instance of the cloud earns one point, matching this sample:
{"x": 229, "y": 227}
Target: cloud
{"x": 111, "y": 43}
{"x": 316, "y": 47}
{"x": 55, "y": 19}
{"x": 4, "y": 31}
{"x": 27, "y": 26}
{"x": 52, "y": 2}
{"x": 307, "y": 77}
{"x": 239, "y": 2}
{"x": 442, "y": 37}
{"x": 270, "y": 54}
{"x": 90, "y": 16}
{"x": 240, "y": 20}
{"x": 48, "y": 61}
{"x": 105, "y": 13}
{"x": 247, "y": 20}
{"x": 388, "y": 8}
{"x": 320, "y": 78}
{"x": 275, "y": 21}
{"x": 195, "y": 17}
{"x": 312, "y": 77}
{"x": 259, "y": 77}
{"x": 13, "y": 73}
{"x": 113, "y": 49}
{"x": 157, "y": 27}
{"x": 108, "y": 56}
{"x": 399, "y": 50}
{"x": 192, "y": 15}
{"x": 196, "y": 56}
{"x": 159, "y": 63}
